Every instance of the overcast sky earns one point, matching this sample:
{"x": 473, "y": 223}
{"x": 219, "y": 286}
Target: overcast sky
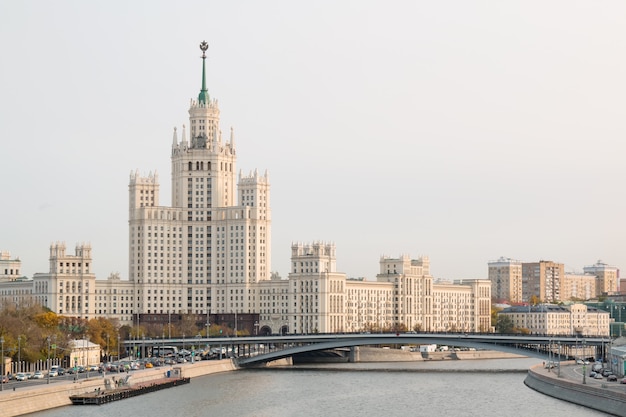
{"x": 460, "y": 130}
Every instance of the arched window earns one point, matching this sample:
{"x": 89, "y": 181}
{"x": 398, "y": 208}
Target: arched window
{"x": 190, "y": 166}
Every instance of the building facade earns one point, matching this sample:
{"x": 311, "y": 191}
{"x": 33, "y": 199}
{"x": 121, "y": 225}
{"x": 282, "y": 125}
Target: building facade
{"x": 578, "y": 287}
{"x": 9, "y": 268}
{"x": 505, "y": 275}
{"x": 543, "y": 279}
{"x": 210, "y": 254}
{"x": 551, "y": 319}
{"x": 607, "y": 277}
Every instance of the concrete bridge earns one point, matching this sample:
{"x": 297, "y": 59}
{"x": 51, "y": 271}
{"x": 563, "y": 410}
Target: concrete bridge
{"x": 258, "y": 350}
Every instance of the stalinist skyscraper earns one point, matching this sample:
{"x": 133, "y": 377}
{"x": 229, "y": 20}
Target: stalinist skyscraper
{"x": 205, "y": 253}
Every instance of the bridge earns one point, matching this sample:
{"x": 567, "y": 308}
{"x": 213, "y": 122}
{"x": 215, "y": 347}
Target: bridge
{"x": 258, "y": 350}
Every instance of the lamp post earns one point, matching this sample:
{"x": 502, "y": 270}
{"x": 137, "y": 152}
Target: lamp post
{"x": 118, "y": 346}
{"x": 48, "y": 360}
{"x": 559, "y": 370}
{"x": 108, "y": 354}
{"x": 19, "y": 352}
{"x": 584, "y": 364}
{"x": 2, "y": 366}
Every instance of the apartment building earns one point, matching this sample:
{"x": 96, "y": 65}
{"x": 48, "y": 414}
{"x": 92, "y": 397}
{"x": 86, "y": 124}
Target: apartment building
{"x": 559, "y": 320}
{"x": 505, "y": 275}
{"x": 607, "y": 277}
{"x": 210, "y": 254}
{"x": 543, "y": 279}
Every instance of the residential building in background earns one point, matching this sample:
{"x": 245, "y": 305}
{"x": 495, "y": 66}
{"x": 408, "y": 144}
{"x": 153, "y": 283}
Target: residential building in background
{"x": 607, "y": 277}
{"x": 505, "y": 275}
{"x": 553, "y": 319}
{"x": 578, "y": 286}
{"x": 543, "y": 279}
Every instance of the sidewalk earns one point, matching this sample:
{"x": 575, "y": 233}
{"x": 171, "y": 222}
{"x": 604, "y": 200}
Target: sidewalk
{"x": 608, "y": 397}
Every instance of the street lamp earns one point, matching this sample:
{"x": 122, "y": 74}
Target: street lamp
{"x": 48, "y": 360}
{"x": 584, "y": 364}
{"x": 19, "y": 351}
{"x": 118, "y": 346}
{"x": 2, "y": 366}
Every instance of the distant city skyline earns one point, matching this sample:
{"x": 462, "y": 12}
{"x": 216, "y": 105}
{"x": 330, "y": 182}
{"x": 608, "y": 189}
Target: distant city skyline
{"x": 463, "y": 131}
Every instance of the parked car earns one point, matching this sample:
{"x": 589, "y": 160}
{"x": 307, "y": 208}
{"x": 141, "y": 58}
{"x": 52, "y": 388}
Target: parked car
{"x": 598, "y": 376}
{"x": 21, "y": 376}
{"x": 4, "y": 379}
{"x": 622, "y": 381}
{"x": 592, "y": 374}
{"x": 611, "y": 377}
{"x": 38, "y": 375}
{"x": 53, "y": 372}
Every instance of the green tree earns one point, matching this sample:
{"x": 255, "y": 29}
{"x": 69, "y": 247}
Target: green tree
{"x": 504, "y": 324}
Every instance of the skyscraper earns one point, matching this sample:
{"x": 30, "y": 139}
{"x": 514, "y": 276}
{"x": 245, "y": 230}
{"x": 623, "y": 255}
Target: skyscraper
{"x": 202, "y": 254}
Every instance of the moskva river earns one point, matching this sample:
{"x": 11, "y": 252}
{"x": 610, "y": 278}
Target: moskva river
{"x": 443, "y": 388}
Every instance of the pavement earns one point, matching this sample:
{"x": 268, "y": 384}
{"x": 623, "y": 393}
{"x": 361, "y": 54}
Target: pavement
{"x": 573, "y": 372}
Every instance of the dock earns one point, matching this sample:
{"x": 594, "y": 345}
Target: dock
{"x": 99, "y": 397}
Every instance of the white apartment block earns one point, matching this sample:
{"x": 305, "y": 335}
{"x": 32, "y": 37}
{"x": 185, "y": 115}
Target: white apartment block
{"x": 607, "y": 277}
{"x": 578, "y": 286}
{"x": 206, "y": 253}
{"x": 505, "y": 275}
{"x": 554, "y": 319}
{"x": 210, "y": 253}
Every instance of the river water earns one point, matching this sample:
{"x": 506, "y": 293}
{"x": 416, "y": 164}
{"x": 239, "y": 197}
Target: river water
{"x": 443, "y": 388}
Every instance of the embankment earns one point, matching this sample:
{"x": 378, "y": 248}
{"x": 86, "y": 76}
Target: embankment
{"x": 33, "y": 398}
{"x": 603, "y": 399}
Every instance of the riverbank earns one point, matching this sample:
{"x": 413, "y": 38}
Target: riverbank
{"x": 608, "y": 397}
{"x": 33, "y": 398}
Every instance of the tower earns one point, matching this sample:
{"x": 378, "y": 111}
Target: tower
{"x": 202, "y": 254}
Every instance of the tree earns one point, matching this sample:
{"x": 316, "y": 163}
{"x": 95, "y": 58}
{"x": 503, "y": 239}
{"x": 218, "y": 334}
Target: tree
{"x": 504, "y": 324}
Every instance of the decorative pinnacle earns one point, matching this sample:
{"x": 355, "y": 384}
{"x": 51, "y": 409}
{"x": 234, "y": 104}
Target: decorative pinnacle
{"x": 203, "y": 47}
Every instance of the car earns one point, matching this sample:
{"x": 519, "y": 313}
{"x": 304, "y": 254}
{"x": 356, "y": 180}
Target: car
{"x": 592, "y": 374}
{"x": 38, "y": 375}
{"x": 622, "y": 381}
{"x": 53, "y": 372}
{"x": 21, "y": 376}
{"x": 598, "y": 376}
{"x": 607, "y": 372}
{"x": 580, "y": 362}
{"x": 4, "y": 379}
{"x": 611, "y": 378}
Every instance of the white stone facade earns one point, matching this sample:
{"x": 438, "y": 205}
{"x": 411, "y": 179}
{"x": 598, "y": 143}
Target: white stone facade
{"x": 9, "y": 268}
{"x": 505, "y": 275}
{"x": 210, "y": 253}
{"x": 553, "y": 319}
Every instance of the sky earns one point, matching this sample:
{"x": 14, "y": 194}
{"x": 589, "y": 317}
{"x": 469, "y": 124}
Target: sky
{"x": 459, "y": 130}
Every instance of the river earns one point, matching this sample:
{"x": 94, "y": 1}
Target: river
{"x": 438, "y": 388}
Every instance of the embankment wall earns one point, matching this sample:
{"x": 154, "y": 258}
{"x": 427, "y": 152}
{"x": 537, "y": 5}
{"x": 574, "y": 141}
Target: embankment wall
{"x": 34, "y": 398}
{"x": 601, "y": 399}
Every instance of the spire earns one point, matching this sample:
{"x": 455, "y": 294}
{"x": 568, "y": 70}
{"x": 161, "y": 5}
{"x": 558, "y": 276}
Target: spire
{"x": 175, "y": 138}
{"x": 203, "y": 97}
{"x": 232, "y": 138}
